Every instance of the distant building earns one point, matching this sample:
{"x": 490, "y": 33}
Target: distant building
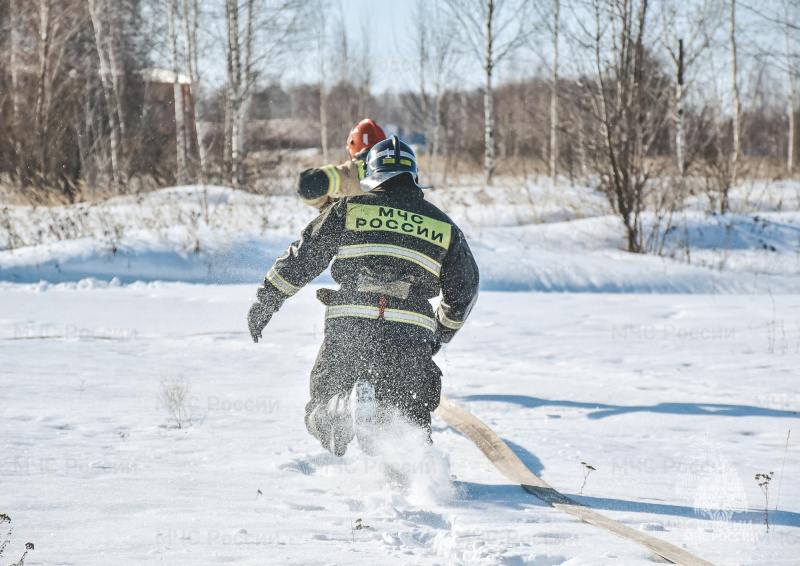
{"x": 159, "y": 109}
{"x": 284, "y": 133}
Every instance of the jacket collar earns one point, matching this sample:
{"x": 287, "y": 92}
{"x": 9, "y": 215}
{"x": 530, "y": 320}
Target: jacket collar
{"x": 399, "y": 187}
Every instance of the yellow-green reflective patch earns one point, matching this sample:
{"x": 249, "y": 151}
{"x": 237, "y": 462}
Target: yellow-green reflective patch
{"x": 368, "y": 217}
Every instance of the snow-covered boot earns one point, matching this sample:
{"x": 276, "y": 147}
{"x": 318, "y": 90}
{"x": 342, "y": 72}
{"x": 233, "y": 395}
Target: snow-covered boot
{"x": 332, "y": 424}
{"x": 364, "y": 409}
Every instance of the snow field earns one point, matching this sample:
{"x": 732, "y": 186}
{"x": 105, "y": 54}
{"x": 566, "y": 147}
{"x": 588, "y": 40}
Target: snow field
{"x": 525, "y": 237}
{"x": 676, "y": 400}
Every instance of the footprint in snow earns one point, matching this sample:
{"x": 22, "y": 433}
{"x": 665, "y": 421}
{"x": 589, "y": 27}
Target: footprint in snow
{"x": 298, "y": 465}
{"x": 300, "y": 507}
{"x": 308, "y": 465}
{"x": 427, "y": 518}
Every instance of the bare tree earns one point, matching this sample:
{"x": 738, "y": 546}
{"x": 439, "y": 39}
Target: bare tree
{"x": 228, "y": 103}
{"x": 268, "y": 25}
{"x": 14, "y": 17}
{"x": 554, "y": 98}
{"x": 493, "y": 29}
{"x": 343, "y": 48}
{"x": 190, "y": 26}
{"x": 436, "y": 58}
{"x": 45, "y": 39}
{"x": 239, "y": 82}
{"x": 98, "y": 9}
{"x": 366, "y": 64}
{"x": 345, "y": 70}
{"x": 629, "y": 101}
{"x": 682, "y": 19}
{"x": 65, "y": 101}
{"x": 234, "y": 85}
{"x": 444, "y": 55}
{"x": 735, "y": 110}
{"x": 423, "y": 33}
{"x": 180, "y": 125}
{"x": 57, "y": 26}
{"x": 790, "y": 72}
{"x": 436, "y": 55}
{"x": 321, "y": 39}
{"x": 117, "y": 74}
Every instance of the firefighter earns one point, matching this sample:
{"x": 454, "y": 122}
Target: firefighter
{"x": 392, "y": 251}
{"x": 319, "y": 187}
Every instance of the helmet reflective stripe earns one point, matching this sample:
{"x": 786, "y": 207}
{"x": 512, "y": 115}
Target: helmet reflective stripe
{"x": 387, "y": 159}
{"x": 391, "y": 153}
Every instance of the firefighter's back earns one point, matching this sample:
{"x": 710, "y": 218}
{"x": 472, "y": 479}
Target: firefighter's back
{"x": 393, "y": 246}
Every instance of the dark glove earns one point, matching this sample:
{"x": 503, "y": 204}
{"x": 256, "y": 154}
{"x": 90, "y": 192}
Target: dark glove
{"x": 257, "y": 319}
{"x": 436, "y": 345}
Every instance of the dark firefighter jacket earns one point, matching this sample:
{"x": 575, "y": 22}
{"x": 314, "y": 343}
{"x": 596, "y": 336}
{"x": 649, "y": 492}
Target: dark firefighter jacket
{"x": 319, "y": 187}
{"x": 393, "y": 252}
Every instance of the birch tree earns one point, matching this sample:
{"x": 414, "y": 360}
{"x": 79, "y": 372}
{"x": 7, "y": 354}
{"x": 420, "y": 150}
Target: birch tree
{"x": 115, "y": 65}
{"x": 255, "y": 43}
{"x": 98, "y": 9}
{"x": 423, "y": 33}
{"x": 14, "y": 17}
{"x": 687, "y": 29}
{"x": 366, "y": 64}
{"x": 321, "y": 40}
{"x": 238, "y": 83}
{"x": 493, "y": 29}
{"x": 191, "y": 14}
{"x": 444, "y": 62}
{"x": 58, "y": 25}
{"x": 735, "y": 110}
{"x": 790, "y": 83}
{"x": 45, "y": 39}
{"x": 180, "y": 126}
{"x": 436, "y": 54}
{"x": 345, "y": 111}
{"x": 554, "y": 99}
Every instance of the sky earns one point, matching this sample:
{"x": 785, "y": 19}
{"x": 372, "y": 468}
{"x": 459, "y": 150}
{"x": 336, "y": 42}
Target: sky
{"x": 392, "y": 35}
{"x": 392, "y": 43}
{"x": 392, "y": 38}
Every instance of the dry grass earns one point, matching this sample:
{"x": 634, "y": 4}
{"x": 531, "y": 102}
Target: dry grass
{"x": 174, "y": 396}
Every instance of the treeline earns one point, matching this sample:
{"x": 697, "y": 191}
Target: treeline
{"x": 71, "y": 99}
{"x": 114, "y": 96}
